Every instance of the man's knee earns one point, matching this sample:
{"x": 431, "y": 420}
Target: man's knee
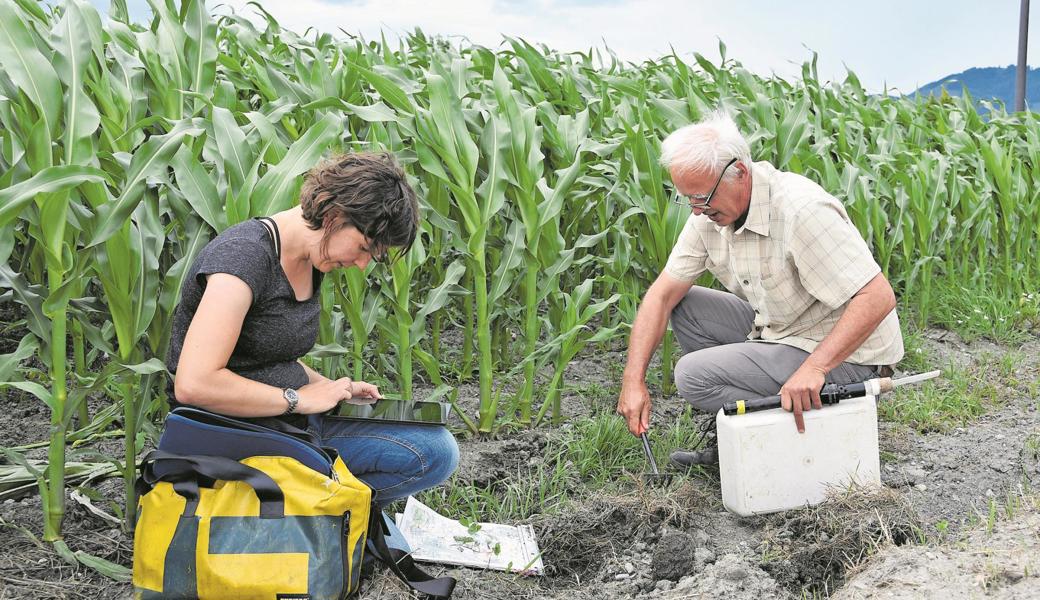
{"x": 705, "y": 318}
{"x": 693, "y": 379}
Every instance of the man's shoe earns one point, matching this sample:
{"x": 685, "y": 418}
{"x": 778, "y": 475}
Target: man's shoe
{"x": 686, "y": 459}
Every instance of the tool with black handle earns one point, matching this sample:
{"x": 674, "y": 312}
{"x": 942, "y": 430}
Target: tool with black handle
{"x": 832, "y": 393}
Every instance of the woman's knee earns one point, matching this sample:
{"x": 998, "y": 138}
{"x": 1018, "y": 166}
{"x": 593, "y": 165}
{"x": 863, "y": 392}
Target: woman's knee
{"x": 436, "y": 458}
{"x": 433, "y": 452}
{"x": 442, "y": 455}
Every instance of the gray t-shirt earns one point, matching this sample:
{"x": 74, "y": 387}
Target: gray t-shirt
{"x": 276, "y": 331}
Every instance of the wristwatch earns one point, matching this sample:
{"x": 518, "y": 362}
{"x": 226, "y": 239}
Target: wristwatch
{"x": 293, "y": 398}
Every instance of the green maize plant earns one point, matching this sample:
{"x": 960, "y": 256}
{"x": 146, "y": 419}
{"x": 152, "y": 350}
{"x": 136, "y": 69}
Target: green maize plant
{"x": 362, "y": 310}
{"x": 539, "y": 208}
{"x": 441, "y": 231}
{"x": 399, "y": 330}
{"x": 340, "y": 315}
{"x": 450, "y": 153}
{"x": 657, "y": 217}
{"x": 570, "y": 314}
{"x": 49, "y": 100}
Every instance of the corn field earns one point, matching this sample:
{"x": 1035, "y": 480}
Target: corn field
{"x": 125, "y": 147}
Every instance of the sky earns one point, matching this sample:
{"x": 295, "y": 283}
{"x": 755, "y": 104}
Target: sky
{"x": 889, "y": 44}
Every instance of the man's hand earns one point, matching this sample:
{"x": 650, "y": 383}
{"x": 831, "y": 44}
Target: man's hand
{"x": 634, "y": 405}
{"x": 802, "y": 392}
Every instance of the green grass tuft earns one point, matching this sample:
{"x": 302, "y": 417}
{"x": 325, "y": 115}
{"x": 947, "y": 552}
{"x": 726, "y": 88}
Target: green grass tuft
{"x": 984, "y": 311}
{"x": 591, "y": 455}
{"x": 954, "y": 400}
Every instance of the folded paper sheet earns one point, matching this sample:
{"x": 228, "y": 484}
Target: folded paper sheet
{"x": 435, "y": 538}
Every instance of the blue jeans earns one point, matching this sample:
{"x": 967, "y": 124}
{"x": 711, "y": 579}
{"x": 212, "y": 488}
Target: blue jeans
{"x": 394, "y": 459}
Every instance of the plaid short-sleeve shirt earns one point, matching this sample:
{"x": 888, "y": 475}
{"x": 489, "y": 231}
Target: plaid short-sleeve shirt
{"x": 798, "y": 260}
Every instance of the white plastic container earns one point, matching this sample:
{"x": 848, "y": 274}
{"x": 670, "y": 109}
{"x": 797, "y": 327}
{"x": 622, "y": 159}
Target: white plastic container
{"x": 767, "y": 466}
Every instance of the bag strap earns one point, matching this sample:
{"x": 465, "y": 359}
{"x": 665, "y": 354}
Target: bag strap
{"x": 402, "y": 565}
{"x": 188, "y": 488}
{"x": 181, "y": 468}
{"x": 289, "y": 429}
{"x": 276, "y": 236}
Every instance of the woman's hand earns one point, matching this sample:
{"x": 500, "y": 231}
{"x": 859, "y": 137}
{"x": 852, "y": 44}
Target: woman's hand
{"x": 321, "y": 396}
{"x": 363, "y": 393}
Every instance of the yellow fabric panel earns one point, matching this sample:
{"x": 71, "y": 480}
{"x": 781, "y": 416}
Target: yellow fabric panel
{"x": 228, "y": 499}
{"x": 347, "y": 478}
{"x": 267, "y": 575}
{"x": 308, "y": 492}
{"x": 160, "y": 511}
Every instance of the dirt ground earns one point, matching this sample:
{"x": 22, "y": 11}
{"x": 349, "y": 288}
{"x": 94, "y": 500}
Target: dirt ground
{"x": 679, "y": 542}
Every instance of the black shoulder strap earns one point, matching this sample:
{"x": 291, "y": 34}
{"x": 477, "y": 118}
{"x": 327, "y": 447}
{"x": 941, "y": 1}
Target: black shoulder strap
{"x": 181, "y": 467}
{"x": 402, "y": 565}
{"x": 273, "y": 228}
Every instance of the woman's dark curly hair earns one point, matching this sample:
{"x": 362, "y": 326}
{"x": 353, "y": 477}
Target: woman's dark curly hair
{"x": 370, "y": 191}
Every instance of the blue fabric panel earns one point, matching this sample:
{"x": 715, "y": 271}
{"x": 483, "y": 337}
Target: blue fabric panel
{"x": 355, "y": 574}
{"x": 395, "y": 540}
{"x": 319, "y": 536}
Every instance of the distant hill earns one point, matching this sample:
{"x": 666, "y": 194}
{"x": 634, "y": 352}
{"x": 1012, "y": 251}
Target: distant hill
{"x": 985, "y": 83}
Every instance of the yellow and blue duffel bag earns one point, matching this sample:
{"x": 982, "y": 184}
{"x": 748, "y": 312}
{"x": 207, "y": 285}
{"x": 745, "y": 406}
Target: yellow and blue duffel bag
{"x": 269, "y": 527}
{"x": 276, "y": 517}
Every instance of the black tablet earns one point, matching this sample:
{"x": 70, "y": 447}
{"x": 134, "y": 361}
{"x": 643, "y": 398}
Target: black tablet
{"x": 396, "y": 411}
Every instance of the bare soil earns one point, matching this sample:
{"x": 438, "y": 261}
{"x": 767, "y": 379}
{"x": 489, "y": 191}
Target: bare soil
{"x": 925, "y": 535}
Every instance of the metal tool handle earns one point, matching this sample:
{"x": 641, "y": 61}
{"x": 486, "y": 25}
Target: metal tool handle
{"x": 649, "y": 454}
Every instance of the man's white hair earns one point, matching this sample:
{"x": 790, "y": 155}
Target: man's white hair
{"x": 705, "y": 147}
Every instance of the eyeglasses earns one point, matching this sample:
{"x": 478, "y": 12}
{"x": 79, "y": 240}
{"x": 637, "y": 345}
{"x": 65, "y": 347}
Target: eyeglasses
{"x": 701, "y": 201}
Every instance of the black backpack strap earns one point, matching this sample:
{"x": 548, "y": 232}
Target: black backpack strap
{"x": 276, "y": 236}
{"x": 179, "y": 468}
{"x": 402, "y": 565}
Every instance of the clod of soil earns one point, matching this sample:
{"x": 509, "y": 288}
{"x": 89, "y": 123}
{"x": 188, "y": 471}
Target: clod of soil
{"x": 673, "y": 556}
{"x": 577, "y": 544}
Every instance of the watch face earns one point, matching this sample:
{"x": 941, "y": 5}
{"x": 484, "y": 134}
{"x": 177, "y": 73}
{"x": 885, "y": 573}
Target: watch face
{"x": 291, "y": 394}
